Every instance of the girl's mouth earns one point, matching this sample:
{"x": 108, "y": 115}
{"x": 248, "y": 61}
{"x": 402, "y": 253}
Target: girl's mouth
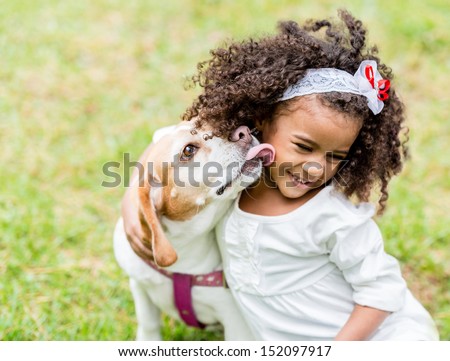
{"x": 300, "y": 183}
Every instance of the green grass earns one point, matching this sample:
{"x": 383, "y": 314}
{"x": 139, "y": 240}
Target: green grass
{"x": 82, "y": 82}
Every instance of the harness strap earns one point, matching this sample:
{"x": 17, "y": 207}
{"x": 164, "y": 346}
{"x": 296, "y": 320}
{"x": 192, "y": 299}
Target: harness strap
{"x": 182, "y": 286}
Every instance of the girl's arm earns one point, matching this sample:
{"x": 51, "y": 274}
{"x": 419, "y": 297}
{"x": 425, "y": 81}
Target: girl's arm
{"x": 362, "y": 322}
{"x": 357, "y": 250}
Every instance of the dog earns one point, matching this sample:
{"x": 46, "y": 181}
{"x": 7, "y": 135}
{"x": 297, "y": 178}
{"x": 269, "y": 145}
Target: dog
{"x": 191, "y": 178}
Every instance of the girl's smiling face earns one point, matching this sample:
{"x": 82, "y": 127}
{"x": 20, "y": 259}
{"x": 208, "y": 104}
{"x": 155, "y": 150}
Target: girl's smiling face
{"x": 311, "y": 142}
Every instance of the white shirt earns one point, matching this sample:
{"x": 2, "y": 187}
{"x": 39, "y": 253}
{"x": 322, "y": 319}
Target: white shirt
{"x": 323, "y": 257}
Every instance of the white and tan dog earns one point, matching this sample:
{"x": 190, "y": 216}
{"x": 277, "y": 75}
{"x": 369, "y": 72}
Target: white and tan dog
{"x": 191, "y": 179}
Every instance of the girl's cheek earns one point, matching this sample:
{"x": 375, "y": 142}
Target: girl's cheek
{"x": 335, "y": 168}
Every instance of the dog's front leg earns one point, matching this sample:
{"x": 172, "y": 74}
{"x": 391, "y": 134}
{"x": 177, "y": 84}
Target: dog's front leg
{"x": 147, "y": 313}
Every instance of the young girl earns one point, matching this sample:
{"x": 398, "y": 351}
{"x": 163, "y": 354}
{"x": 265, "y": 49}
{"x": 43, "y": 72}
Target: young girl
{"x": 301, "y": 253}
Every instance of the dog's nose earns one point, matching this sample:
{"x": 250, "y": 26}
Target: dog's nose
{"x": 241, "y": 133}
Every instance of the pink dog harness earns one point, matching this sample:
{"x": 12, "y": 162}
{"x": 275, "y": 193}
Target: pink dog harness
{"x": 182, "y": 285}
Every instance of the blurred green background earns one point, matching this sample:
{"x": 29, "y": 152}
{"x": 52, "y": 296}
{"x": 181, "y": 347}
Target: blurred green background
{"x": 82, "y": 82}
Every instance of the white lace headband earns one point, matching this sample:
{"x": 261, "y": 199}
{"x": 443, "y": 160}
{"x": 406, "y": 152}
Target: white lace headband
{"x": 367, "y": 81}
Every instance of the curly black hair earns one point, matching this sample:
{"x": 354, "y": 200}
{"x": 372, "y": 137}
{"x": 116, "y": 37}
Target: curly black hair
{"x": 241, "y": 84}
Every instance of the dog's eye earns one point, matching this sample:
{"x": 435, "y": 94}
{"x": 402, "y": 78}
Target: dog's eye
{"x": 188, "y": 152}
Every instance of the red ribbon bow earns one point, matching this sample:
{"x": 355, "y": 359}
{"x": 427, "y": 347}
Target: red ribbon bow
{"x": 383, "y": 84}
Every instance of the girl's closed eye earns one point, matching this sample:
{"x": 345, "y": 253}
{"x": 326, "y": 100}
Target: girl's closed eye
{"x": 331, "y": 156}
{"x": 303, "y": 147}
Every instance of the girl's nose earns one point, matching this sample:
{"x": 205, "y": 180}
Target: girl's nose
{"x": 241, "y": 133}
{"x": 314, "y": 169}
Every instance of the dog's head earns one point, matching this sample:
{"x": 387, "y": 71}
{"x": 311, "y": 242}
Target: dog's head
{"x": 190, "y": 168}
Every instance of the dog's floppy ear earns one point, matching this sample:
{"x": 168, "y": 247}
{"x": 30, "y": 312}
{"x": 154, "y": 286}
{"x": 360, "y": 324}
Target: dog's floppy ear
{"x": 163, "y": 252}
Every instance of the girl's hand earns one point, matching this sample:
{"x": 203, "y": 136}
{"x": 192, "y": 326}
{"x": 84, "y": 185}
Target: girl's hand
{"x": 133, "y": 228}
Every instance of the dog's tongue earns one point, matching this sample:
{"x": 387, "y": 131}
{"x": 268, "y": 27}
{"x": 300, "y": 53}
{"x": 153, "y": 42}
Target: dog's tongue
{"x": 264, "y": 151}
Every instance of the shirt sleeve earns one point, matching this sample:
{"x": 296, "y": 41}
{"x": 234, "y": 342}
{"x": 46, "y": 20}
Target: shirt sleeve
{"x": 357, "y": 250}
